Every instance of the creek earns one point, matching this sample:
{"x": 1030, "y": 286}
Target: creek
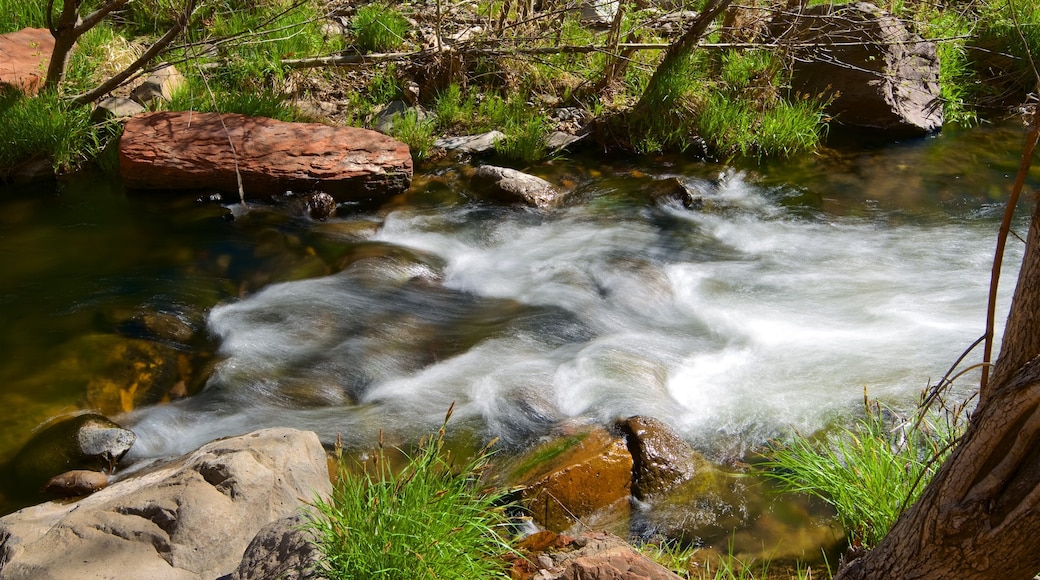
{"x": 791, "y": 287}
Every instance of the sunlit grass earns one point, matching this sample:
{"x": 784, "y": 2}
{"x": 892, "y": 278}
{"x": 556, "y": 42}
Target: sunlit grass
{"x": 432, "y": 519}
{"x": 869, "y": 472}
{"x": 46, "y": 126}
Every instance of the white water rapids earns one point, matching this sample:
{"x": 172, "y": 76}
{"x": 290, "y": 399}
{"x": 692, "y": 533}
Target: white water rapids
{"x": 732, "y": 323}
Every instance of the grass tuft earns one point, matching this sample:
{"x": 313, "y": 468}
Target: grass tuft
{"x": 869, "y": 472}
{"x": 429, "y": 520}
{"x": 378, "y": 28}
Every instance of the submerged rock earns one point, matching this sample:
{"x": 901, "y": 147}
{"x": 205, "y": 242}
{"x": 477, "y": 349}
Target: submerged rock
{"x": 23, "y": 59}
{"x": 190, "y": 150}
{"x": 190, "y": 519}
{"x": 87, "y": 441}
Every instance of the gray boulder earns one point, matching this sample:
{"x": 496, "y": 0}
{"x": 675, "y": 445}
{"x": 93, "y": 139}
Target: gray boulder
{"x": 514, "y": 186}
{"x": 191, "y": 518}
{"x": 878, "y": 74}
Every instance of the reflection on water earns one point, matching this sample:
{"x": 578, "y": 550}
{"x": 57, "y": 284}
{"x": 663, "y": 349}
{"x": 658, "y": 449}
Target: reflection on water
{"x": 788, "y": 290}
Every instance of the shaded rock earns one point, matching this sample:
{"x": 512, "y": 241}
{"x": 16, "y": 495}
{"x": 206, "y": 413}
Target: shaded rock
{"x": 186, "y": 150}
{"x": 392, "y": 114}
{"x": 594, "y": 556}
{"x": 661, "y": 459}
{"x": 280, "y": 550}
{"x": 470, "y": 143}
{"x": 116, "y": 108}
{"x": 878, "y": 74}
{"x": 514, "y": 186}
{"x": 24, "y": 56}
{"x": 558, "y": 140}
{"x": 158, "y": 86}
{"x": 76, "y": 483}
{"x": 574, "y": 477}
{"x": 191, "y": 518}
{"x": 86, "y": 441}
{"x": 161, "y": 326}
{"x": 320, "y": 206}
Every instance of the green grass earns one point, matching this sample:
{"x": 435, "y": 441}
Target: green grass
{"x": 19, "y": 14}
{"x": 432, "y": 519}
{"x": 378, "y": 28}
{"x": 869, "y": 472}
{"x": 195, "y": 95}
{"x": 417, "y": 133}
{"x": 47, "y": 127}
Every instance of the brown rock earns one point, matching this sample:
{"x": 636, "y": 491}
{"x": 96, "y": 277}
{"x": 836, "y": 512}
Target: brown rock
{"x": 76, "y": 483}
{"x": 661, "y": 459}
{"x": 594, "y": 556}
{"x": 186, "y": 150}
{"x": 574, "y": 478}
{"x": 23, "y": 59}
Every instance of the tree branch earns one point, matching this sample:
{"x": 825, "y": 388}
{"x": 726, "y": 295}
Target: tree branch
{"x": 159, "y": 45}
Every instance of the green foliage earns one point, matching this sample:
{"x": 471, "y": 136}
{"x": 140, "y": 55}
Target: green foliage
{"x": 19, "y": 14}
{"x": 452, "y": 109}
{"x": 47, "y": 127}
{"x": 870, "y": 472}
{"x": 417, "y": 133}
{"x": 378, "y": 28}
{"x": 197, "y": 96}
{"x": 429, "y": 520}
{"x": 524, "y": 141}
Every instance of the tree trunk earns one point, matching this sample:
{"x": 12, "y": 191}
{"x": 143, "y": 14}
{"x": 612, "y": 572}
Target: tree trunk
{"x": 679, "y": 50}
{"x": 979, "y": 516}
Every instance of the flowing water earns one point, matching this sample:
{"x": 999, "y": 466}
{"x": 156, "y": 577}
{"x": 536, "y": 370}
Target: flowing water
{"x": 789, "y": 289}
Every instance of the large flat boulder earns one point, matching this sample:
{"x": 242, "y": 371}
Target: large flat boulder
{"x": 24, "y": 56}
{"x": 190, "y": 519}
{"x": 876, "y": 73}
{"x": 186, "y": 150}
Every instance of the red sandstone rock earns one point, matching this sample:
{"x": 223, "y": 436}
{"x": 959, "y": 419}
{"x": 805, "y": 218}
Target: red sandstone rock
{"x": 186, "y": 150}
{"x": 23, "y": 58}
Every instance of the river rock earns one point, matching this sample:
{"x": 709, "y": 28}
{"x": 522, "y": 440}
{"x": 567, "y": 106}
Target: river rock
{"x": 86, "y": 441}
{"x": 76, "y": 483}
{"x": 514, "y": 186}
{"x": 572, "y": 478}
{"x": 661, "y": 459}
{"x": 878, "y": 74}
{"x": 159, "y": 86}
{"x": 189, "y": 150}
{"x": 481, "y": 143}
{"x": 594, "y": 556}
{"x": 23, "y": 59}
{"x": 189, "y": 519}
{"x": 116, "y": 108}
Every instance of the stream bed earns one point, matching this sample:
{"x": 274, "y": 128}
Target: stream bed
{"x": 769, "y": 301}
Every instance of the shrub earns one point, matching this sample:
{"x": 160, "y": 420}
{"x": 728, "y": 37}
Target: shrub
{"x": 429, "y": 520}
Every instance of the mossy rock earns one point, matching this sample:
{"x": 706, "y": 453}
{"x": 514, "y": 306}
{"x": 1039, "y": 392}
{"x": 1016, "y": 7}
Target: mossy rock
{"x": 575, "y": 478}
